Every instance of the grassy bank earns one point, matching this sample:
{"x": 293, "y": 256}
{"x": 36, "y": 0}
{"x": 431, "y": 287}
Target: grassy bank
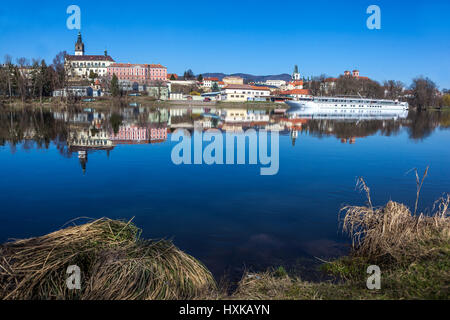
{"x": 115, "y": 264}
{"x": 412, "y": 251}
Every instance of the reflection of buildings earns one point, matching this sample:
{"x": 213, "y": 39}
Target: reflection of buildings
{"x": 158, "y": 134}
{"x": 91, "y": 138}
{"x": 135, "y": 134}
{"x": 83, "y": 140}
{"x": 351, "y": 140}
{"x": 130, "y": 134}
{"x": 242, "y": 115}
{"x": 244, "y": 92}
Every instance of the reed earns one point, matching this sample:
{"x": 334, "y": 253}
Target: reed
{"x": 393, "y": 233}
{"x": 115, "y": 263}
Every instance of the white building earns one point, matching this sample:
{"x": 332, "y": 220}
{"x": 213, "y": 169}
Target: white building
{"x": 80, "y": 65}
{"x": 75, "y": 91}
{"x": 244, "y": 92}
{"x": 275, "y": 83}
{"x": 209, "y": 82}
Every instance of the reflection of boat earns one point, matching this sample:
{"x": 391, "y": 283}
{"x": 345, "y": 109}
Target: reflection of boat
{"x": 342, "y": 114}
{"x": 326, "y": 104}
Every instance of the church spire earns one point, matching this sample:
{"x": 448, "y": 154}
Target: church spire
{"x": 79, "y": 46}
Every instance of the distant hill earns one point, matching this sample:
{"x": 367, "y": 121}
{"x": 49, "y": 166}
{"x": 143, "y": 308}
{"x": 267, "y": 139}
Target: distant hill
{"x": 249, "y": 77}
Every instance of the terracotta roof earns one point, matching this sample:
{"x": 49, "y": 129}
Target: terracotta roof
{"x": 261, "y": 88}
{"x": 89, "y": 58}
{"x": 169, "y": 75}
{"x": 127, "y": 65}
{"x": 156, "y": 66}
{"x": 296, "y": 91}
{"x": 143, "y": 65}
{"x": 211, "y": 79}
{"x": 245, "y": 87}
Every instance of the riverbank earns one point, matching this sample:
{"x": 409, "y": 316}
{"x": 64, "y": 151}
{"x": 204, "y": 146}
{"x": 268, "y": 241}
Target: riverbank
{"x": 105, "y": 103}
{"x": 411, "y": 250}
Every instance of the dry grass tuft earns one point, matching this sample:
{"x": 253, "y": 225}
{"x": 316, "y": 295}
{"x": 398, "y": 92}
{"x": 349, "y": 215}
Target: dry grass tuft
{"x": 393, "y": 234}
{"x": 269, "y": 286}
{"x": 114, "y": 262}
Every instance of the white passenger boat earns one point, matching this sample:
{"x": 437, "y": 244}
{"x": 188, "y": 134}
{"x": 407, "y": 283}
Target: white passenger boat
{"x": 354, "y": 104}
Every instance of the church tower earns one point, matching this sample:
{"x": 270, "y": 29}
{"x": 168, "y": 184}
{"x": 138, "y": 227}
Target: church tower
{"x": 79, "y": 46}
{"x": 296, "y": 74}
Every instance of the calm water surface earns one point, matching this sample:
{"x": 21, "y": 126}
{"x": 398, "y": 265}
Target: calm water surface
{"x": 228, "y": 216}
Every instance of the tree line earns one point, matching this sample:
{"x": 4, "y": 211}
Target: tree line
{"x": 32, "y": 79}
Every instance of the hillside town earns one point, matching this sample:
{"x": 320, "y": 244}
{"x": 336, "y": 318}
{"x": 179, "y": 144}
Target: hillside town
{"x": 90, "y": 76}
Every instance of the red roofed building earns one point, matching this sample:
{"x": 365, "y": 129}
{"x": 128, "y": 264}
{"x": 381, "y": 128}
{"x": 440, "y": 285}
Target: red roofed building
{"x": 297, "y": 93}
{"x": 209, "y": 82}
{"x": 172, "y": 75}
{"x": 244, "y": 92}
{"x": 296, "y": 84}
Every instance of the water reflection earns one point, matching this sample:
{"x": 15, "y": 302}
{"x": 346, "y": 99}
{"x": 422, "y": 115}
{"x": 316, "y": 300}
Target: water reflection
{"x": 227, "y": 216}
{"x": 90, "y": 131}
{"x": 97, "y": 130}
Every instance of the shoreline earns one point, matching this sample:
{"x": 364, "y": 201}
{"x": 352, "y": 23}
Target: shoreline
{"x": 107, "y": 103}
{"x": 413, "y": 254}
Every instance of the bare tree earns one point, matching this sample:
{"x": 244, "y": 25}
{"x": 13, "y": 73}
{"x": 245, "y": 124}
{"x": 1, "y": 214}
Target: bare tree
{"x": 424, "y": 93}
{"x": 393, "y": 89}
{"x": 21, "y": 74}
{"x": 8, "y": 72}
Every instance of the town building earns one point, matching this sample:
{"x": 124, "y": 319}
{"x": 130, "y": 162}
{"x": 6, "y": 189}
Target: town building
{"x": 76, "y": 91}
{"x": 297, "y": 93}
{"x": 244, "y": 92}
{"x": 157, "y": 90}
{"x": 172, "y": 76}
{"x": 80, "y": 66}
{"x": 140, "y": 73}
{"x": 209, "y": 82}
{"x": 275, "y": 83}
{"x": 233, "y": 80}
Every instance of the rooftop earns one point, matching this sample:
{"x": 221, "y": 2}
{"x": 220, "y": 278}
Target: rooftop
{"x": 89, "y": 58}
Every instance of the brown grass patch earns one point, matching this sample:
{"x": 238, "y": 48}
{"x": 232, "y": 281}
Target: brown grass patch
{"x": 393, "y": 232}
{"x": 114, "y": 262}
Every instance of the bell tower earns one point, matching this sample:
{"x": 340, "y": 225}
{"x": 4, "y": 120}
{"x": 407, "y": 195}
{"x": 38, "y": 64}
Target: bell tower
{"x": 79, "y": 46}
{"x": 296, "y": 75}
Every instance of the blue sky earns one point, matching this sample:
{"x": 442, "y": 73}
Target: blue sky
{"x": 259, "y": 37}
